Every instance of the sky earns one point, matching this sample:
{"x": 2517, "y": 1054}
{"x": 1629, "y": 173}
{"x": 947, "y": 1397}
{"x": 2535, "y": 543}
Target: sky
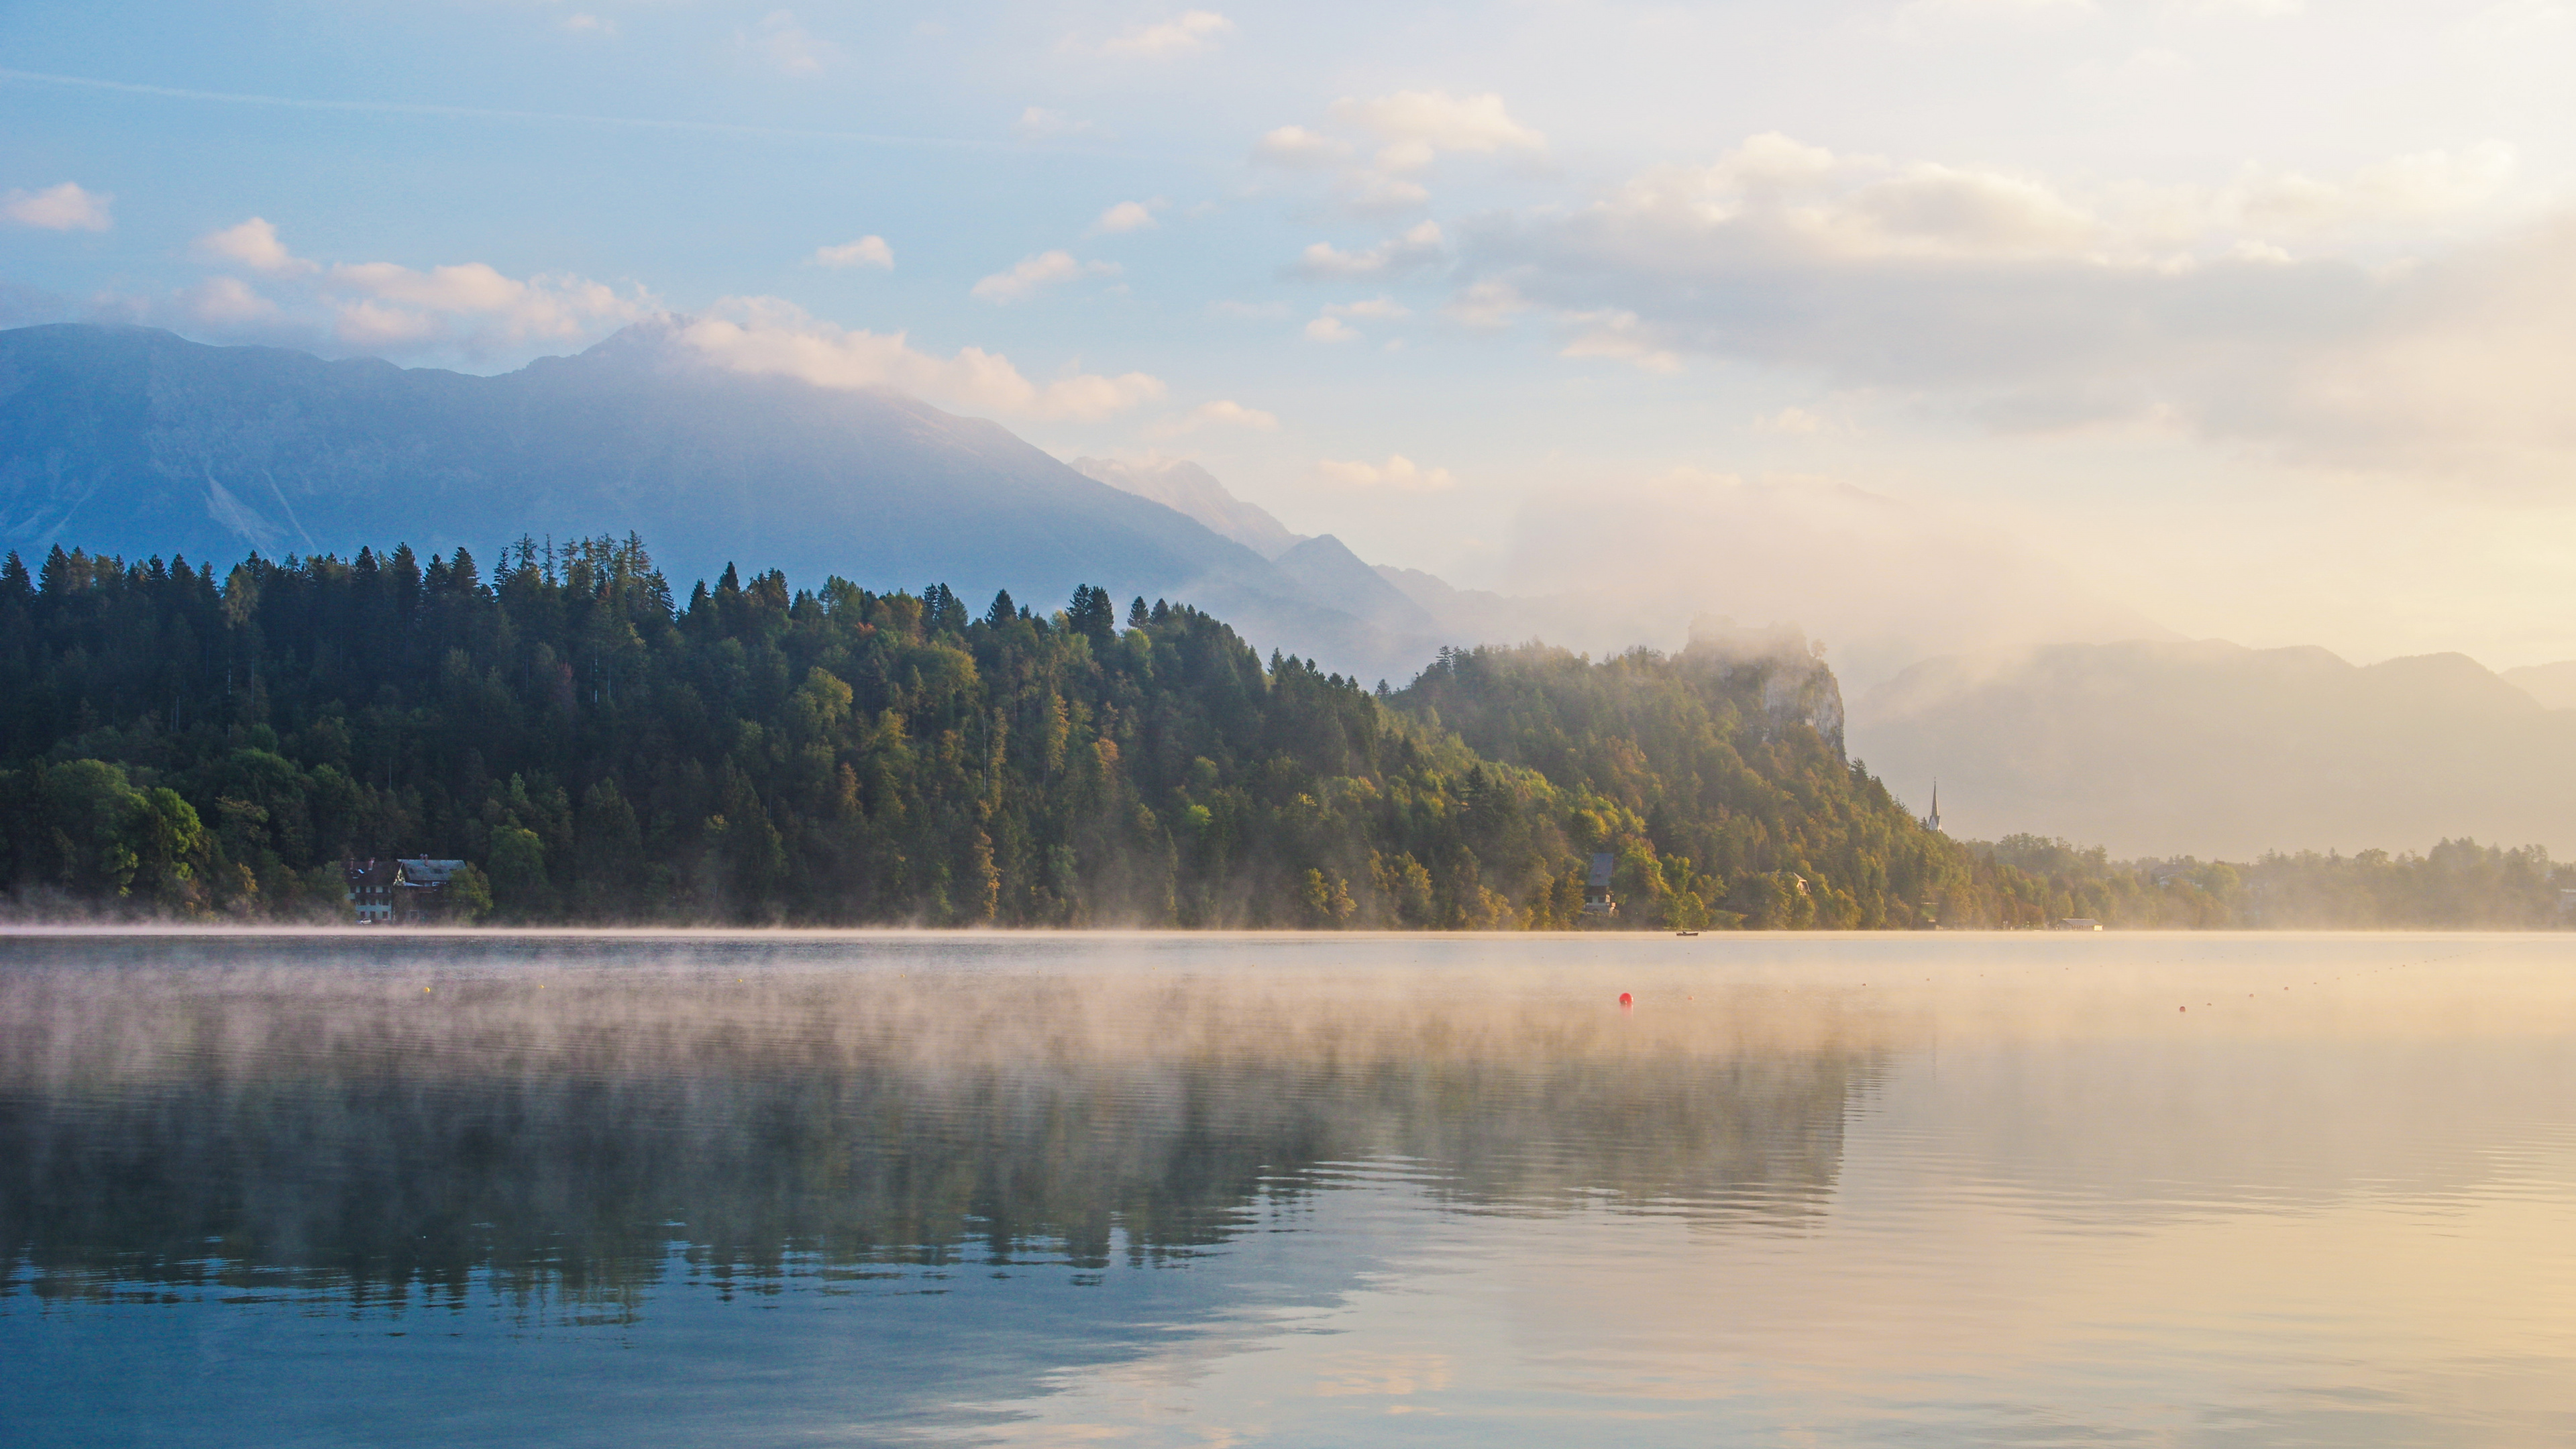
{"x": 2248, "y": 319}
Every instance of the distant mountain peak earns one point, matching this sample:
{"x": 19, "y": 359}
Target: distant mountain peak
{"x": 1185, "y": 487}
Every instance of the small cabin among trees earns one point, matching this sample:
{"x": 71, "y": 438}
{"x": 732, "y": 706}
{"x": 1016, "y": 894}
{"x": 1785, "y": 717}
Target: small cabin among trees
{"x": 402, "y": 892}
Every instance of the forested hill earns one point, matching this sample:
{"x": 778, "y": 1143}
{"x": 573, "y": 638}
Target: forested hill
{"x": 180, "y": 740}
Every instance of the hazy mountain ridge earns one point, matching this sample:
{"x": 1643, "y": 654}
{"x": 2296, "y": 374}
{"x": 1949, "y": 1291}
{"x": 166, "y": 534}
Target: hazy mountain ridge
{"x": 139, "y": 442}
{"x": 2217, "y": 750}
{"x": 1190, "y": 489}
{"x": 2553, "y": 684}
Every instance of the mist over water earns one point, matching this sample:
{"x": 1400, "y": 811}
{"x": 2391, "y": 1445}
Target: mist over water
{"x": 1175, "y": 1188}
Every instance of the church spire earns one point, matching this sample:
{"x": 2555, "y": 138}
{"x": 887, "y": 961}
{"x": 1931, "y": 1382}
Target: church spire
{"x": 1933, "y": 820}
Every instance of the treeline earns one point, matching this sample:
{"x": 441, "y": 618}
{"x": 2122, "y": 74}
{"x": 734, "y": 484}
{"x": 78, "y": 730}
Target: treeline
{"x": 2457, "y": 885}
{"x": 178, "y": 743}
{"x": 172, "y": 741}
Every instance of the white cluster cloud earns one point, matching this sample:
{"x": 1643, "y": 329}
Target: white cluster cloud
{"x": 468, "y": 307}
{"x": 1222, "y": 413}
{"x": 1187, "y": 33}
{"x": 2243, "y": 311}
{"x": 867, "y": 251}
{"x": 1619, "y": 335}
{"x": 1418, "y": 249}
{"x": 1776, "y": 195}
{"x": 1129, "y": 216}
{"x": 1295, "y": 146}
{"x": 1414, "y": 127}
{"x": 775, "y": 338}
{"x": 1411, "y": 129}
{"x": 1486, "y": 304}
{"x": 1034, "y": 274}
{"x": 66, "y": 207}
{"x": 253, "y": 244}
{"x": 1332, "y": 325}
{"x": 1229, "y": 413}
{"x": 1398, "y": 474}
{"x": 228, "y": 302}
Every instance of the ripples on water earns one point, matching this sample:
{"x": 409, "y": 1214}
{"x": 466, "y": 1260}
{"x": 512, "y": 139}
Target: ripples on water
{"x": 1191, "y": 1190}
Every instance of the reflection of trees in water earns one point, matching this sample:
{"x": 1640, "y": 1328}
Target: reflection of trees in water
{"x": 562, "y": 1131}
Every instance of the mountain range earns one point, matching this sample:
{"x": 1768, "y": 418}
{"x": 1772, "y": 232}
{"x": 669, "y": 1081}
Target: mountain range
{"x": 135, "y": 441}
{"x": 2208, "y": 748}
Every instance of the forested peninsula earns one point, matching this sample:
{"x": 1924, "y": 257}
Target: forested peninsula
{"x": 179, "y": 744}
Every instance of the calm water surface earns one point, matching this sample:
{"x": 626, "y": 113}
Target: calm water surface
{"x": 1182, "y": 1190}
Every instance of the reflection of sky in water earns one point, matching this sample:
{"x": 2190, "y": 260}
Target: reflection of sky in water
{"x": 1189, "y": 1190}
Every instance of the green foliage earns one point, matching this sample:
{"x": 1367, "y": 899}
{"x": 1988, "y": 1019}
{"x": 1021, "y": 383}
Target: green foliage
{"x": 87, "y": 831}
{"x": 600, "y": 752}
{"x": 2457, "y": 885}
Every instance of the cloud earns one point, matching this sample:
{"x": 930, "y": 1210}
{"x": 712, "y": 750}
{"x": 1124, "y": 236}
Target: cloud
{"x": 1298, "y": 148}
{"x": 1037, "y": 123}
{"x": 1398, "y": 474}
{"x": 2027, "y": 305}
{"x": 66, "y": 207}
{"x": 1128, "y": 216}
{"x": 1223, "y": 413}
{"x": 227, "y": 302}
{"x": 1234, "y": 415}
{"x": 1618, "y": 335}
{"x": 252, "y": 244}
{"x": 1329, "y": 327}
{"x": 382, "y": 304}
{"x": 770, "y": 337}
{"x": 1032, "y": 275}
{"x": 587, "y": 24}
{"x": 787, "y": 46}
{"x": 1414, "y": 127}
{"x": 1184, "y": 34}
{"x": 1789, "y": 422}
{"x": 1884, "y": 581}
{"x": 2419, "y": 186}
{"x": 1417, "y": 249}
{"x": 1412, "y": 130}
{"x": 867, "y": 251}
{"x": 469, "y": 308}
{"x": 1487, "y": 304}
{"x": 1373, "y": 193}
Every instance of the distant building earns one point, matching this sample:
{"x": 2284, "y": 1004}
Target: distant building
{"x": 371, "y": 890}
{"x": 400, "y": 892}
{"x": 2077, "y": 923}
{"x": 1933, "y": 820}
{"x": 1597, "y": 900}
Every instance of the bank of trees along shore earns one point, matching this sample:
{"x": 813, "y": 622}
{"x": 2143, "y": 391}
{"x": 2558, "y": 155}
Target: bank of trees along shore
{"x": 178, "y": 741}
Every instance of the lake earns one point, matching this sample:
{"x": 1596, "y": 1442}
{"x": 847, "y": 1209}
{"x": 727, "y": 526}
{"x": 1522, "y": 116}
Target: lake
{"x": 1199, "y": 1190}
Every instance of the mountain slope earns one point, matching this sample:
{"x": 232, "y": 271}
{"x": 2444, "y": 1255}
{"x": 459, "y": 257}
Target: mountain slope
{"x": 136, "y": 441}
{"x": 2554, "y": 685}
{"x": 2217, "y": 750}
{"x": 1187, "y": 488}
{"x": 1329, "y": 570}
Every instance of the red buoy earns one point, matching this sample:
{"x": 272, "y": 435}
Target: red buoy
{"x": 1624, "y": 1000}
